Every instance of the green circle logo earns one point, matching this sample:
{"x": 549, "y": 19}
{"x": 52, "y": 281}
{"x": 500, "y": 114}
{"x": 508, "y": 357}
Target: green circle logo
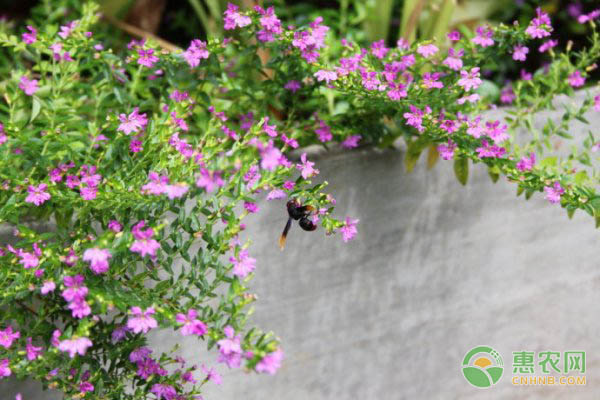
{"x": 482, "y": 366}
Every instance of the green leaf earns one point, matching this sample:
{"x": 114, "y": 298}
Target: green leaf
{"x": 36, "y": 107}
{"x": 432, "y": 156}
{"x": 413, "y": 153}
{"x": 461, "y": 170}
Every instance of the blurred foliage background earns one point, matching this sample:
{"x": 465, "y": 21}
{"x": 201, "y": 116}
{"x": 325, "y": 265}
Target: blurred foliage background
{"x": 363, "y": 21}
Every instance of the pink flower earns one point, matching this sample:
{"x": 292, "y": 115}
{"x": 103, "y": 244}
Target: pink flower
{"x": 397, "y": 91}
{"x": 75, "y": 346}
{"x": 7, "y": 337}
{"x": 271, "y": 25}
{"x": 37, "y": 194}
{"x": 554, "y": 192}
{"x": 4, "y": 368}
{"x": 98, "y": 259}
{"x": 324, "y": 132}
{"x": 133, "y": 122}
{"x": 270, "y": 157}
{"x": 27, "y": 259}
{"x": 324, "y": 75}
{"x": 547, "y": 45}
{"x": 209, "y": 180}
{"x": 31, "y": 36}
{"x": 163, "y": 391}
{"x": 490, "y": 151}
{"x": 453, "y": 60}
{"x": 582, "y": 19}
{"x": 430, "y": 80}
{"x": 195, "y": 52}
{"x": 526, "y": 163}
{"x": 191, "y": 325}
{"x": 351, "y": 142}
{"x": 454, "y": 36}
{"x": 251, "y": 207}
{"x": 447, "y": 150}
{"x": 276, "y": 194}
{"x": 144, "y": 244}
{"x": 270, "y": 362}
{"x": 427, "y": 50}
{"x": 75, "y": 290}
{"x": 66, "y": 30}
{"x": 114, "y": 225}
{"x": 576, "y": 79}
{"x": 597, "y": 103}
{"x": 243, "y": 264}
{"x": 349, "y": 229}
{"x": 469, "y": 80}
{"x": 32, "y": 351}
{"x": 496, "y": 131}
{"x": 147, "y": 58}
{"x": 520, "y": 53}
{"x": 378, "y": 49}
{"x": 141, "y": 321}
{"x": 212, "y": 375}
{"x": 292, "y": 86}
{"x": 414, "y": 118}
{"x": 85, "y": 387}
{"x": 507, "y": 96}
{"x": 233, "y": 19}
{"x": 306, "y": 167}
{"x": 484, "y": 36}
{"x": 47, "y": 287}
{"x": 540, "y": 26}
{"x": 472, "y": 98}
{"x": 29, "y": 86}
{"x": 230, "y": 349}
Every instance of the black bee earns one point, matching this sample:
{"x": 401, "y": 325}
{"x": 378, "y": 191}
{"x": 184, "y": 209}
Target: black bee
{"x": 300, "y": 213}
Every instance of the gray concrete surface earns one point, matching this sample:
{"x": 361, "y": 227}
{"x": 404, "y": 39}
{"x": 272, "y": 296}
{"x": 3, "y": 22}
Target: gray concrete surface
{"x": 435, "y": 270}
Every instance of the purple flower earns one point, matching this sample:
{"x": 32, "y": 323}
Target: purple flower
{"x": 133, "y": 122}
{"x": 191, "y": 325}
{"x": 453, "y": 60}
{"x": 196, "y": 52}
{"x": 306, "y": 167}
{"x": 576, "y": 79}
{"x": 31, "y": 36}
{"x": 75, "y": 346}
{"x": 270, "y": 23}
{"x": 27, "y": 259}
{"x": 147, "y": 58}
{"x": 119, "y": 333}
{"x": 4, "y": 368}
{"x": 520, "y": 53}
{"x": 292, "y": 86}
{"x": 66, "y": 30}
{"x": 243, "y": 264}
{"x": 209, "y": 180}
{"x": 484, "y": 36}
{"x": 165, "y": 391}
{"x": 447, "y": 150}
{"x": 378, "y": 49}
{"x": 414, "y": 118}
{"x": 427, "y": 50}
{"x": 32, "y": 351}
{"x": 507, "y": 95}
{"x": 139, "y": 354}
{"x": 323, "y": 132}
{"x": 98, "y": 259}
{"x": 349, "y": 229}
{"x": 141, "y": 321}
{"x": 597, "y": 103}
{"x": 308, "y": 42}
{"x": 540, "y": 26}
{"x": 79, "y": 308}
{"x": 547, "y": 45}
{"x": 324, "y": 75}
{"x": 490, "y": 151}
{"x": 144, "y": 244}
{"x": 212, "y": 375}
{"x": 469, "y": 80}
{"x": 496, "y": 131}
{"x": 276, "y": 194}
{"x": 7, "y": 337}
{"x": 48, "y": 287}
{"x": 74, "y": 288}
{"x": 230, "y": 349}
{"x": 582, "y": 19}
{"x": 554, "y": 192}
{"x": 526, "y": 163}
{"x": 251, "y": 207}
{"x": 37, "y": 194}
{"x": 85, "y": 387}
{"x": 270, "y": 362}
{"x": 454, "y": 36}
{"x": 397, "y": 91}
{"x": 351, "y": 142}
{"x": 232, "y": 19}
{"x": 430, "y": 80}
{"x": 270, "y": 157}
{"x": 114, "y": 226}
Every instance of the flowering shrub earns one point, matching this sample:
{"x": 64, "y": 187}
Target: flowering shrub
{"x": 148, "y": 164}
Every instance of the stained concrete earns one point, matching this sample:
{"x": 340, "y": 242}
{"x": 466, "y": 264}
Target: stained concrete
{"x": 435, "y": 270}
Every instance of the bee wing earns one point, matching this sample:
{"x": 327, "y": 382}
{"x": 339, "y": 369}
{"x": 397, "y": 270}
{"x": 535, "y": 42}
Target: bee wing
{"x": 283, "y": 236}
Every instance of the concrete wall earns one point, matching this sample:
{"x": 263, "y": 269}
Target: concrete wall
{"x": 435, "y": 270}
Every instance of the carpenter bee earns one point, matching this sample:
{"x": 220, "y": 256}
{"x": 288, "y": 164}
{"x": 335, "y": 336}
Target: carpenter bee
{"x": 300, "y": 213}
